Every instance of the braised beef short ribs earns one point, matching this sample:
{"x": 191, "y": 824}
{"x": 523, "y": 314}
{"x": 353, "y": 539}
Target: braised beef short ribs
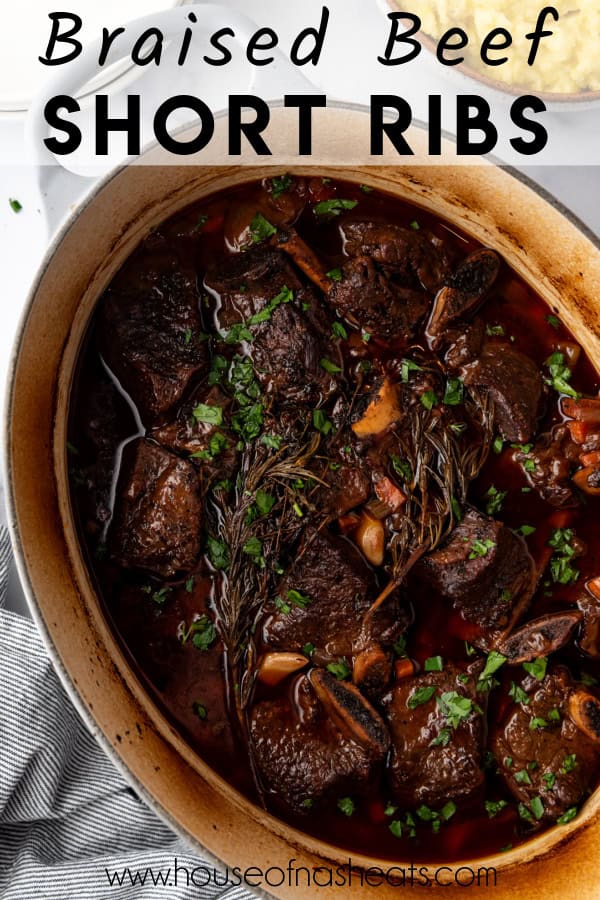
{"x": 323, "y": 598}
{"x": 288, "y": 325}
{"x": 158, "y": 511}
{"x": 152, "y": 339}
{"x": 547, "y": 763}
{"x": 317, "y": 744}
{"x": 464, "y": 290}
{"x": 437, "y": 725}
{"x": 514, "y": 382}
{"x": 415, "y": 257}
{"x": 367, "y": 298}
{"x": 549, "y": 465}
{"x": 200, "y": 431}
{"x": 486, "y": 572}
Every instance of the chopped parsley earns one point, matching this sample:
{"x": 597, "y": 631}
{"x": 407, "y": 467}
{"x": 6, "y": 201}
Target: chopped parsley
{"x": 498, "y": 445}
{"x": 421, "y": 696}
{"x": 216, "y": 444}
{"x": 561, "y": 568}
{"x": 159, "y": 596}
{"x": 338, "y": 331}
{"x": 494, "y": 662}
{"x": 455, "y": 707}
{"x": 517, "y": 694}
{"x": 481, "y": 548}
{"x": 569, "y": 764}
{"x": 340, "y": 669}
{"x": 218, "y": 553}
{"x": 335, "y": 274}
{"x": 522, "y": 777}
{"x": 537, "y": 668}
{"x": 493, "y": 807}
{"x": 199, "y": 710}
{"x": 296, "y": 598}
{"x": 429, "y": 399}
{"x": 434, "y": 664}
{"x": 321, "y": 422}
{"x": 189, "y": 585}
{"x": 568, "y": 816}
{"x": 334, "y": 207}
{"x": 455, "y": 392}
{"x": 308, "y": 649}
{"x": 526, "y": 530}
{"x": 554, "y": 321}
{"x": 15, "y": 205}
{"x": 366, "y": 189}
{"x": 346, "y": 806}
{"x": 495, "y": 330}
{"x": 549, "y": 779}
{"x": 406, "y": 367}
{"x": 494, "y": 500}
{"x": 280, "y": 185}
{"x": 208, "y": 415}
{"x": 415, "y": 225}
{"x": 401, "y": 467}
{"x": 443, "y": 738}
{"x": 560, "y": 375}
{"x": 537, "y": 723}
{"x": 285, "y": 295}
{"x": 329, "y": 366}
{"x": 272, "y": 441}
{"x": 202, "y": 633}
{"x": 254, "y": 549}
{"x": 261, "y": 229}
{"x": 262, "y": 506}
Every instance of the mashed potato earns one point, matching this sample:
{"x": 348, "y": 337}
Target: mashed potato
{"x": 567, "y": 62}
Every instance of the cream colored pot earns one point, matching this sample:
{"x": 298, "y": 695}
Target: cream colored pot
{"x": 560, "y": 261}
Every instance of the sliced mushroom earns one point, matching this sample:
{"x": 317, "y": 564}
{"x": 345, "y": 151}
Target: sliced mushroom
{"x": 372, "y": 670}
{"x": 584, "y": 711}
{"x": 369, "y": 536}
{"x": 467, "y": 287}
{"x": 540, "y": 638}
{"x": 381, "y": 412}
{"x": 305, "y": 258}
{"x": 275, "y": 667}
{"x": 350, "y": 711}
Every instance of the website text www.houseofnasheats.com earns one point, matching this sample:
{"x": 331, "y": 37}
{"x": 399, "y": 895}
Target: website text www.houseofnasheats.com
{"x": 301, "y": 877}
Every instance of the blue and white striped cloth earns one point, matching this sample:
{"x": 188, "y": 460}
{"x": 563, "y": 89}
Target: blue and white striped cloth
{"x": 68, "y": 821}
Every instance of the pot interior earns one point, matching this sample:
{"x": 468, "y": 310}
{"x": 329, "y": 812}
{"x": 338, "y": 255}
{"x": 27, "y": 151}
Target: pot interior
{"x": 536, "y": 240}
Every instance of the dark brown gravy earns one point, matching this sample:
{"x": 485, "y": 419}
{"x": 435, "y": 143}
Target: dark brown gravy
{"x": 177, "y": 675}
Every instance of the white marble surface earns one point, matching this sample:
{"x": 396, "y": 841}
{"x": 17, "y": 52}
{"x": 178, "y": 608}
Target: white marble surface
{"x": 24, "y": 237}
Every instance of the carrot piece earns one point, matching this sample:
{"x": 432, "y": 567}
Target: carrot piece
{"x": 582, "y": 410}
{"x": 580, "y": 431}
{"x": 590, "y": 459}
{"x": 404, "y": 668}
{"x": 390, "y": 494}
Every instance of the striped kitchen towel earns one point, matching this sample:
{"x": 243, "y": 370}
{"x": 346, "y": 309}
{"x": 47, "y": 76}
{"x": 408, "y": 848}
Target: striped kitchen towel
{"x": 70, "y": 827}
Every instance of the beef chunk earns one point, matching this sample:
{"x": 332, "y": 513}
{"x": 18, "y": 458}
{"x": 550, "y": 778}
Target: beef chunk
{"x": 202, "y": 434}
{"x": 515, "y": 384}
{"x": 289, "y": 344}
{"x": 368, "y": 299}
{"x": 338, "y": 588}
{"x": 550, "y": 758}
{"x": 486, "y": 571}
{"x": 437, "y": 745}
{"x": 464, "y": 344}
{"x": 350, "y": 486}
{"x": 157, "y": 516}
{"x": 415, "y": 257}
{"x": 309, "y": 751}
{"x": 554, "y": 456}
{"x": 151, "y": 337}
